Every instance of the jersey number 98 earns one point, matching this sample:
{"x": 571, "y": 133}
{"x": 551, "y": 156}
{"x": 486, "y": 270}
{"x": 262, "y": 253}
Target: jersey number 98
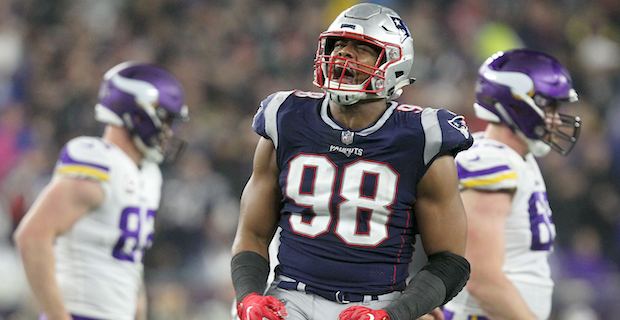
{"x": 368, "y": 189}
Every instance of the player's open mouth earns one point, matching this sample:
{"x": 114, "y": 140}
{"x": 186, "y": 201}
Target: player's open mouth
{"x": 347, "y": 75}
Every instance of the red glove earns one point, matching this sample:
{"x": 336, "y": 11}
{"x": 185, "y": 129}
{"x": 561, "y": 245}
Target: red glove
{"x": 257, "y": 307}
{"x": 363, "y": 313}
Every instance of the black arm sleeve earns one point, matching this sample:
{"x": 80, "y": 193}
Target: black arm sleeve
{"x": 441, "y": 279}
{"x": 452, "y": 269}
{"x": 249, "y": 271}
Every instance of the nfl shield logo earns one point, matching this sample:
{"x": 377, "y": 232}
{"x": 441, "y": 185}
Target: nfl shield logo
{"x": 347, "y": 137}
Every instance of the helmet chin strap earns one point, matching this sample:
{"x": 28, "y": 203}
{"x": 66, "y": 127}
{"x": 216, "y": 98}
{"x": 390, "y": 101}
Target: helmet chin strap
{"x": 151, "y": 154}
{"x": 537, "y": 147}
{"x": 346, "y": 99}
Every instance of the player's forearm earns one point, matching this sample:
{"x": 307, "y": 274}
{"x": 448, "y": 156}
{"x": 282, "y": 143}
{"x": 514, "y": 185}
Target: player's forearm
{"x": 500, "y": 299}
{"x": 442, "y": 278}
{"x": 39, "y": 265}
{"x": 249, "y": 272}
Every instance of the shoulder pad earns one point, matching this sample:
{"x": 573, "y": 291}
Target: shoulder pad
{"x": 86, "y": 157}
{"x": 444, "y": 132}
{"x": 486, "y": 166}
{"x": 265, "y": 119}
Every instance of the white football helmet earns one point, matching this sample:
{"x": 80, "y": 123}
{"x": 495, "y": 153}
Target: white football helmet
{"x": 380, "y": 27}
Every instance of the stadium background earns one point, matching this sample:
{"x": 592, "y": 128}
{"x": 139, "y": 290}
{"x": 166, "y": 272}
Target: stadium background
{"x": 229, "y": 55}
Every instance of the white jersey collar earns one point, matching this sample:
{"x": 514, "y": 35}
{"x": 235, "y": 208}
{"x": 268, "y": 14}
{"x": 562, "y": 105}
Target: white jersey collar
{"x": 364, "y": 132}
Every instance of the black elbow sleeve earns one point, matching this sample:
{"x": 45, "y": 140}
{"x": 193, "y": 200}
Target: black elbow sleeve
{"x": 452, "y": 269}
{"x": 442, "y": 278}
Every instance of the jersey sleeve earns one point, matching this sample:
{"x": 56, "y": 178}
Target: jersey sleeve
{"x": 445, "y": 133}
{"x": 258, "y": 122}
{"x": 485, "y": 168}
{"x": 84, "y": 157}
{"x": 265, "y": 121}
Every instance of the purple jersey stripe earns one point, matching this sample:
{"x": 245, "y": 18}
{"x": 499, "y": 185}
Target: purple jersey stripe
{"x": 464, "y": 174}
{"x": 65, "y": 159}
{"x": 448, "y": 315}
{"x": 81, "y": 318}
{"x": 43, "y": 317}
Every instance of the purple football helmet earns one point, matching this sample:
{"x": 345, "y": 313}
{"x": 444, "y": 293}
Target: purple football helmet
{"x": 142, "y": 98}
{"x": 523, "y": 89}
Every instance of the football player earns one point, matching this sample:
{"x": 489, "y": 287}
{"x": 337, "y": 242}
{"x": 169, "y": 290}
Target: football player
{"x": 351, "y": 176}
{"x": 82, "y": 241}
{"x": 511, "y": 231}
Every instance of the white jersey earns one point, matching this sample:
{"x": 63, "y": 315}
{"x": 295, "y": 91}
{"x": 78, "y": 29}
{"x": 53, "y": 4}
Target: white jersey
{"x": 493, "y": 166}
{"x": 99, "y": 260}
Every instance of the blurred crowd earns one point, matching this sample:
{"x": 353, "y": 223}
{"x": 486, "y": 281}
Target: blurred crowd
{"x": 231, "y": 54}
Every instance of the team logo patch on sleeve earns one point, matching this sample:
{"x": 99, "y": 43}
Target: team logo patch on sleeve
{"x": 459, "y": 124}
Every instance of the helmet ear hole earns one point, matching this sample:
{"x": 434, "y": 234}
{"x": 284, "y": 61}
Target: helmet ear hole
{"x": 518, "y": 110}
{"x": 487, "y": 100}
{"x": 137, "y": 119}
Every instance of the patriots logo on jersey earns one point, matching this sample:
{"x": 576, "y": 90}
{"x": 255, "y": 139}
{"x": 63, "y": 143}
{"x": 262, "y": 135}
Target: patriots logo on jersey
{"x": 459, "y": 124}
{"x": 347, "y": 151}
{"x": 402, "y": 28}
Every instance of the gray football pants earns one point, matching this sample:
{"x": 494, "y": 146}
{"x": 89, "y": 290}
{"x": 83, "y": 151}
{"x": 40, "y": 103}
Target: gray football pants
{"x": 308, "y": 306}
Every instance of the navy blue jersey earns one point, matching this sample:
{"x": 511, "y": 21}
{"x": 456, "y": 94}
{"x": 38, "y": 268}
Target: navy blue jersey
{"x": 347, "y": 211}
